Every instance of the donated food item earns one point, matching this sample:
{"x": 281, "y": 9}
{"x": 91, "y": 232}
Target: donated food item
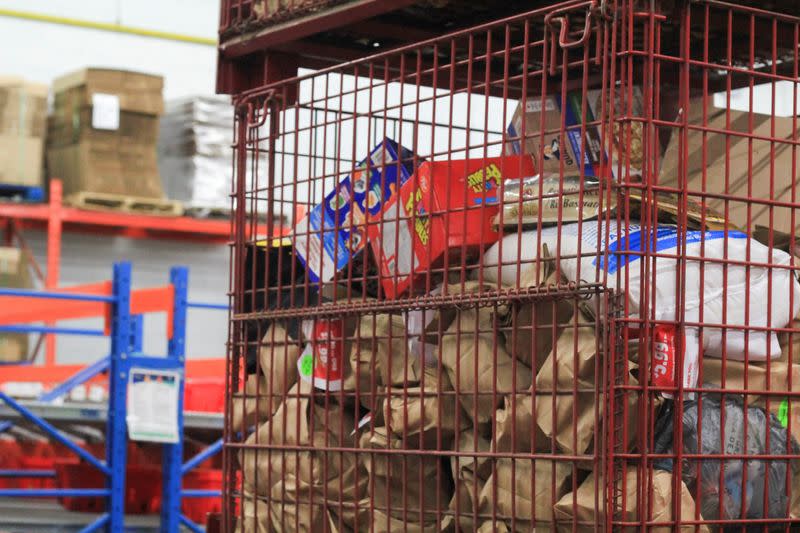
{"x": 334, "y": 232}
{"x": 445, "y": 210}
{"x": 579, "y": 145}
{"x": 548, "y": 199}
{"x": 733, "y": 295}
{"x": 725, "y": 427}
{"x": 322, "y": 360}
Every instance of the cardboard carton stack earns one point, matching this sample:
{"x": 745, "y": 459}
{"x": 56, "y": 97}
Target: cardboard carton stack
{"x": 194, "y": 151}
{"x": 23, "y": 112}
{"x": 14, "y": 274}
{"x": 103, "y": 133}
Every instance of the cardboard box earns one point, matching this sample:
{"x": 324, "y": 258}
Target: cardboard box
{"x": 21, "y": 160}
{"x": 133, "y": 127}
{"x": 103, "y": 134}
{"x": 135, "y": 91}
{"x": 448, "y": 206}
{"x": 568, "y": 111}
{"x": 23, "y": 110}
{"x": 111, "y": 168}
{"x": 334, "y": 232}
{"x": 14, "y": 274}
{"x": 23, "y": 107}
{"x": 770, "y": 166}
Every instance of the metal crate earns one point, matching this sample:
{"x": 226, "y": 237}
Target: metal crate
{"x": 540, "y": 360}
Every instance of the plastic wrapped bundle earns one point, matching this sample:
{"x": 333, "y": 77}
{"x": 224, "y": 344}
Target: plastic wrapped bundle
{"x": 194, "y": 151}
{"x": 726, "y": 428}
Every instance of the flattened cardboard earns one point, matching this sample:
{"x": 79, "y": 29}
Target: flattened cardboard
{"x": 750, "y": 170}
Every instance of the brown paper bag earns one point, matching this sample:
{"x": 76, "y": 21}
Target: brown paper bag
{"x": 573, "y": 432}
{"x": 526, "y": 490}
{"x": 292, "y": 425}
{"x": 470, "y": 475}
{"x": 278, "y": 357}
{"x": 255, "y": 516}
{"x": 417, "y": 410}
{"x": 256, "y": 405}
{"x": 383, "y": 523}
{"x": 568, "y": 415}
{"x": 291, "y": 510}
{"x": 790, "y": 341}
{"x": 526, "y": 436}
{"x": 494, "y": 527}
{"x": 416, "y": 487}
{"x": 530, "y": 338}
{"x": 475, "y": 352}
{"x": 590, "y": 504}
{"x": 376, "y": 361}
{"x": 571, "y": 362}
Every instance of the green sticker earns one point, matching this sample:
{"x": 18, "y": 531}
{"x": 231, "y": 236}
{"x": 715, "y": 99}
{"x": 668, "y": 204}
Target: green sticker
{"x": 306, "y": 364}
{"x": 783, "y": 412}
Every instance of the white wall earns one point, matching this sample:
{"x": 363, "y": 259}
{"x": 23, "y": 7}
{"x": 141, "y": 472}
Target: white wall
{"x": 89, "y": 258}
{"x": 41, "y": 52}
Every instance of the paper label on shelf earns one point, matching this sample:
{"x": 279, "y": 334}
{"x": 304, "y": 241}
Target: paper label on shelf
{"x": 105, "y": 111}
{"x": 153, "y": 405}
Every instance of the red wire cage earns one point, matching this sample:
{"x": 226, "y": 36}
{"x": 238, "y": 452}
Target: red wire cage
{"x": 546, "y": 280}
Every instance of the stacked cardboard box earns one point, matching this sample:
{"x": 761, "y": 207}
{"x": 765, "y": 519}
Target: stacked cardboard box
{"x": 194, "y": 151}
{"x": 23, "y": 111}
{"x": 14, "y": 273}
{"x": 103, "y": 133}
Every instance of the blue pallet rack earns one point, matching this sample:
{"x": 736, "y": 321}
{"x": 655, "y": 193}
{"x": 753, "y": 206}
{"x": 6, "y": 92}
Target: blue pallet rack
{"x": 126, "y": 353}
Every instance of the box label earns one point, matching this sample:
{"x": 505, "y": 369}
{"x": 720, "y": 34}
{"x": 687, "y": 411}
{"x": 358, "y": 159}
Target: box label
{"x": 105, "y": 111}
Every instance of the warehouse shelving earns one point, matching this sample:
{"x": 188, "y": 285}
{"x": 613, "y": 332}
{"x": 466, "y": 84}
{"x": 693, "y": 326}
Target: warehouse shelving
{"x": 56, "y": 218}
{"x": 122, "y": 308}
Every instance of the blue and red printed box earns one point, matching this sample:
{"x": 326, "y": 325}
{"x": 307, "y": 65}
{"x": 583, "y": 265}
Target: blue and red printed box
{"x": 334, "y": 232}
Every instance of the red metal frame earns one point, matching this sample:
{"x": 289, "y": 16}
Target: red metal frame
{"x": 56, "y": 218}
{"x": 648, "y": 294}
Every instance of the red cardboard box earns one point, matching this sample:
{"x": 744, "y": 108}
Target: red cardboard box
{"x": 446, "y": 206}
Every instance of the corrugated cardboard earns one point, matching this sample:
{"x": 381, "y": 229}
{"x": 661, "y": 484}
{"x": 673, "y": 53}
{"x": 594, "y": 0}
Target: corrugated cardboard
{"x": 23, "y": 107}
{"x": 115, "y": 168}
{"x": 770, "y": 166}
{"x": 112, "y": 161}
{"x": 77, "y": 127}
{"x": 21, "y": 159}
{"x": 14, "y": 273}
{"x": 137, "y": 91}
{"x": 23, "y": 110}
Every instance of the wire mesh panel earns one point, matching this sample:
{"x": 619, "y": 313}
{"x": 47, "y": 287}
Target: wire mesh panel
{"x": 413, "y": 356}
{"x": 540, "y": 276}
{"x": 708, "y": 274}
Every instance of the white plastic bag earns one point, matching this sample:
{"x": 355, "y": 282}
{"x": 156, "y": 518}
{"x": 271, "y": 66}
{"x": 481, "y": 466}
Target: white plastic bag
{"x": 733, "y": 294}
